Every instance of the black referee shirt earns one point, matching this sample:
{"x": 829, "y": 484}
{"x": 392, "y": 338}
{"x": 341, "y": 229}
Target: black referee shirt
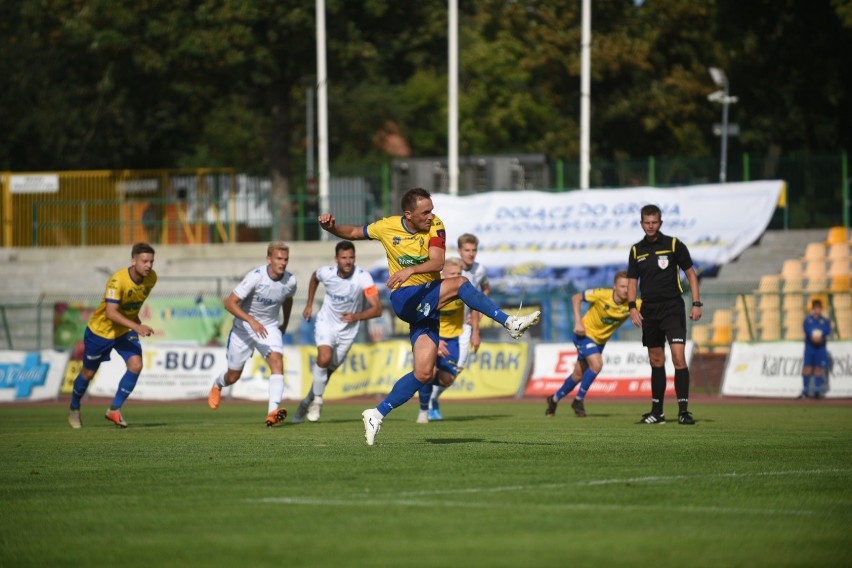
{"x": 656, "y": 265}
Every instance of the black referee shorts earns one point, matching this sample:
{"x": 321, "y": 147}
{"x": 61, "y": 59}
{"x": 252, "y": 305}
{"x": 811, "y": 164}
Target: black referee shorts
{"x": 663, "y": 321}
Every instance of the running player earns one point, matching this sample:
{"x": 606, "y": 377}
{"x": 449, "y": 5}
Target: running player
{"x": 255, "y": 304}
{"x": 115, "y": 325}
{"x": 607, "y": 311}
{"x": 347, "y": 289}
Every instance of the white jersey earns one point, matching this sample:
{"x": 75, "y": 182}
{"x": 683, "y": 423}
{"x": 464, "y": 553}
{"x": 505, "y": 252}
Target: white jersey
{"x": 342, "y": 295}
{"x": 261, "y": 296}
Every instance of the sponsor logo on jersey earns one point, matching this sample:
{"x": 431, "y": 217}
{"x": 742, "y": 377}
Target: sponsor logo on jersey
{"x": 408, "y": 260}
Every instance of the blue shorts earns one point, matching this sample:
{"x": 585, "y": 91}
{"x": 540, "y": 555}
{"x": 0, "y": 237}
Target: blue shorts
{"x": 586, "y": 347}
{"x": 97, "y": 348}
{"x": 449, "y": 364}
{"x": 815, "y": 356}
{"x": 418, "y": 307}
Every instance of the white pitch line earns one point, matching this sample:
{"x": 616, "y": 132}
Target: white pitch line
{"x": 573, "y": 506}
{"x": 369, "y": 498}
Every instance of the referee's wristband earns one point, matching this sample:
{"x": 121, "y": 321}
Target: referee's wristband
{"x": 697, "y": 304}
{"x": 631, "y": 305}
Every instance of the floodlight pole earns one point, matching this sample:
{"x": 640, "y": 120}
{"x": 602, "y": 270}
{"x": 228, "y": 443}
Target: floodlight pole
{"x": 723, "y": 97}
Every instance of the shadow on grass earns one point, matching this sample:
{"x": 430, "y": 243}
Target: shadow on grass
{"x": 482, "y": 441}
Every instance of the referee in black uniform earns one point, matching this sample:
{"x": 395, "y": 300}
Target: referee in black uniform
{"x": 655, "y": 262}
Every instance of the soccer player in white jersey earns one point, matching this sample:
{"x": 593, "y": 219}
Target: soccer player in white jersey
{"x": 350, "y": 296}
{"x": 255, "y": 304}
{"x": 469, "y": 341}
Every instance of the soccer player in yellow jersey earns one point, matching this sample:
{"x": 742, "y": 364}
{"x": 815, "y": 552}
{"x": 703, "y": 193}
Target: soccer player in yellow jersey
{"x": 607, "y": 311}
{"x": 415, "y": 245}
{"x": 116, "y": 325}
{"x": 450, "y": 328}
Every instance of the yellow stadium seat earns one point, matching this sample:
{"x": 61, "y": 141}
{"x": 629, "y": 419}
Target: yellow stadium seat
{"x": 741, "y": 334}
{"x": 794, "y": 333}
{"x": 842, "y": 303}
{"x": 839, "y": 267}
{"x": 837, "y": 235}
{"x": 723, "y": 316}
{"x": 793, "y": 302}
{"x": 769, "y": 302}
{"x": 792, "y": 277}
{"x": 815, "y": 251}
{"x": 770, "y": 331}
{"x": 768, "y": 283}
{"x": 840, "y": 283}
{"x": 701, "y": 336}
{"x": 722, "y": 336}
{"x": 839, "y": 251}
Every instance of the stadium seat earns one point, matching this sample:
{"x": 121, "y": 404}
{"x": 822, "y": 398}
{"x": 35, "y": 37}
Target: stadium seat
{"x": 742, "y": 334}
{"x": 837, "y": 235}
{"x": 839, "y": 267}
{"x": 722, "y": 337}
{"x": 701, "y": 336}
{"x": 723, "y": 316}
{"x": 769, "y": 283}
{"x": 840, "y": 283}
{"x": 745, "y": 306}
{"x": 842, "y": 303}
{"x": 794, "y": 332}
{"x": 792, "y": 277}
{"x": 769, "y": 302}
{"x": 770, "y": 328}
{"x": 839, "y": 251}
{"x": 814, "y": 251}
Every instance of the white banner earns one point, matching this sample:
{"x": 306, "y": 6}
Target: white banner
{"x": 183, "y": 373}
{"x": 775, "y": 370}
{"x": 26, "y": 376}
{"x": 597, "y": 227}
{"x": 34, "y": 183}
{"x": 626, "y": 371}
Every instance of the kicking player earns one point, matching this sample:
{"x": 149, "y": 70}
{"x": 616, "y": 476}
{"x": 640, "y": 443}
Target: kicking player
{"x": 415, "y": 244}
{"x": 469, "y": 341}
{"x": 115, "y": 325}
{"x": 255, "y": 304}
{"x": 450, "y": 331}
{"x": 607, "y": 311}
{"x": 347, "y": 289}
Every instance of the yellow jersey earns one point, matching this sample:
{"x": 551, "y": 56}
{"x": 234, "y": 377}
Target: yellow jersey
{"x": 452, "y": 319}
{"x": 129, "y": 295}
{"x": 604, "y": 316}
{"x": 405, "y": 248}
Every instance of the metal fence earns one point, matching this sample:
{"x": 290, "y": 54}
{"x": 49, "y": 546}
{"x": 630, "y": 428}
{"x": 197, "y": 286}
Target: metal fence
{"x": 119, "y": 207}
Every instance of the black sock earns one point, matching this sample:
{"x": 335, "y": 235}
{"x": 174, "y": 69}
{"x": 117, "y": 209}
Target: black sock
{"x": 658, "y": 389}
{"x": 682, "y": 388}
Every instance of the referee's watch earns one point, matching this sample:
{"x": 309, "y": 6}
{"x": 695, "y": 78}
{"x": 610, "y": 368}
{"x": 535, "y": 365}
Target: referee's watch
{"x": 697, "y": 304}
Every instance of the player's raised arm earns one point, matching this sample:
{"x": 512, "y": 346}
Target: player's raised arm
{"x": 349, "y": 232}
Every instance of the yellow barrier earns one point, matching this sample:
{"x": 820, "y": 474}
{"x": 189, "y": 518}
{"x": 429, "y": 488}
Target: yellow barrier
{"x": 116, "y": 207}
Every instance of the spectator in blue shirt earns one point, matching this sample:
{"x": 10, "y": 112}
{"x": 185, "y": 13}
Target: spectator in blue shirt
{"x": 815, "y": 363}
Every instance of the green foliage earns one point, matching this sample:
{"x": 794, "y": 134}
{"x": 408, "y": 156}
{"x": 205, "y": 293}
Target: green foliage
{"x": 494, "y": 484}
{"x": 101, "y": 84}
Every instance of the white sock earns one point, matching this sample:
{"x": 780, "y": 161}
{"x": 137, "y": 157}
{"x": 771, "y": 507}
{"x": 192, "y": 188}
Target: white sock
{"x": 220, "y": 381}
{"x": 436, "y": 392}
{"x": 320, "y": 380}
{"x": 276, "y": 391}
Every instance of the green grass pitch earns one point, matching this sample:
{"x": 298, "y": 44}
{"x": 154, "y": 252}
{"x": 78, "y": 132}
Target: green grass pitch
{"x": 494, "y": 484}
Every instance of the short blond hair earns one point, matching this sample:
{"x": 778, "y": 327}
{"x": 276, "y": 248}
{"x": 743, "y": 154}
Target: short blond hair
{"x": 277, "y": 245}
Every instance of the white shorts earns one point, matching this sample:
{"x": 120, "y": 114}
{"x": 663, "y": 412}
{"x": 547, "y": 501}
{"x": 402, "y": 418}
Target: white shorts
{"x": 464, "y": 345}
{"x": 340, "y": 339}
{"x": 242, "y": 342}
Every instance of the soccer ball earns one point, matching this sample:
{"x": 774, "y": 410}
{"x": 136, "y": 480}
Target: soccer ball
{"x": 816, "y": 335}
